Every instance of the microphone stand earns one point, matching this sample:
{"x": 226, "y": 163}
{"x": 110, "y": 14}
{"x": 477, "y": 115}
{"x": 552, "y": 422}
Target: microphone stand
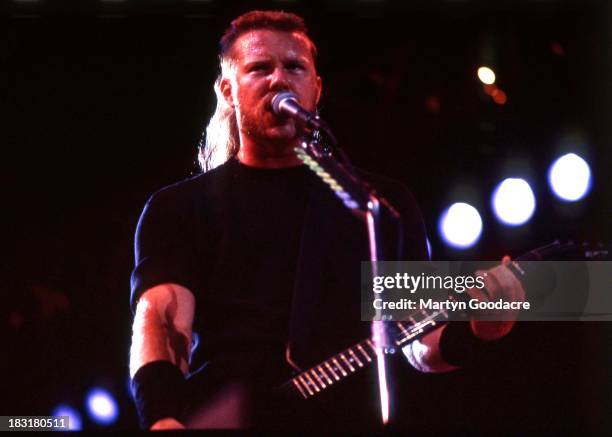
{"x": 359, "y": 197}
{"x": 379, "y": 328}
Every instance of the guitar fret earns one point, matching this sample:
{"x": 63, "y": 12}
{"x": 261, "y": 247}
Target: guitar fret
{"x": 401, "y": 327}
{"x": 359, "y": 363}
{"x": 299, "y": 387}
{"x": 337, "y": 363}
{"x": 311, "y": 382}
{"x": 406, "y": 334}
{"x": 319, "y": 380}
{"x": 327, "y": 378}
{"x": 305, "y": 383}
{"x": 363, "y": 352}
{"x": 369, "y": 343}
{"x": 415, "y": 330}
{"x": 351, "y": 368}
{"x": 430, "y": 318}
{"x": 334, "y": 374}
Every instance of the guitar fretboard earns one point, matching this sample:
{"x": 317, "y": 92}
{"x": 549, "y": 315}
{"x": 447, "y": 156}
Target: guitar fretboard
{"x": 333, "y": 370}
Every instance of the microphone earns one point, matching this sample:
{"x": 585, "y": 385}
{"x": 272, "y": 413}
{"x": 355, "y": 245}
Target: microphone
{"x": 286, "y": 104}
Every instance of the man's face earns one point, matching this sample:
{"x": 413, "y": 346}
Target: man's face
{"x": 265, "y": 63}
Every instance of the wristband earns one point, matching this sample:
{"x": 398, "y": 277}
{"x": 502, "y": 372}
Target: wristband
{"x": 459, "y": 346}
{"x": 157, "y": 389}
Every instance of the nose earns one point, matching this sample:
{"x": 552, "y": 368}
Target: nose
{"x": 279, "y": 80}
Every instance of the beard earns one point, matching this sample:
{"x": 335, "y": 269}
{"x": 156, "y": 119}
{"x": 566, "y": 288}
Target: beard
{"x": 261, "y": 124}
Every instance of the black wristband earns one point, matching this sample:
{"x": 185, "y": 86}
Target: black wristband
{"x": 157, "y": 388}
{"x": 459, "y": 346}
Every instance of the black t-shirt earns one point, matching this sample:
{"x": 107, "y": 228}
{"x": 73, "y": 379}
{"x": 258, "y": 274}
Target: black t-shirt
{"x": 253, "y": 218}
{"x": 258, "y": 247}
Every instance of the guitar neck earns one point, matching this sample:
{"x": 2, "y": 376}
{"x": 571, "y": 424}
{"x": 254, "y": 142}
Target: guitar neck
{"x": 318, "y": 378}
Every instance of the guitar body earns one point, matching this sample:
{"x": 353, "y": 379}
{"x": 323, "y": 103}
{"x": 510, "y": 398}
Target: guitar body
{"x": 240, "y": 404}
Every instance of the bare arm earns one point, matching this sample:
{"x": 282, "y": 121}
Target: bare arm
{"x": 162, "y": 331}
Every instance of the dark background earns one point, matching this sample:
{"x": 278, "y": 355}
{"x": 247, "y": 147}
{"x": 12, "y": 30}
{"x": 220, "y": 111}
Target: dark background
{"x": 105, "y": 102}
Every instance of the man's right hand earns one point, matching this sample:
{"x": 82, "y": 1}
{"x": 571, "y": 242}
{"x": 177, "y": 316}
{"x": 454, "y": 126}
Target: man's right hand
{"x": 166, "y": 423}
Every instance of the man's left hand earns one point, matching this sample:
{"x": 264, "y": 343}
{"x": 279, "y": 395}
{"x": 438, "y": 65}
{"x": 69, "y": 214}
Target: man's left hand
{"x": 500, "y": 283}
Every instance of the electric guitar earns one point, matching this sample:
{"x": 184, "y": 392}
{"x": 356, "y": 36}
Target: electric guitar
{"x": 310, "y": 382}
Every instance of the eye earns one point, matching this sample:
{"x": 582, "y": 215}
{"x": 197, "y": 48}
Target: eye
{"x": 255, "y": 68}
{"x": 294, "y": 66}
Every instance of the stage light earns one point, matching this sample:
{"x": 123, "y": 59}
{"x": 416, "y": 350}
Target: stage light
{"x": 460, "y": 225}
{"x": 499, "y": 96}
{"x": 428, "y": 247}
{"x": 570, "y": 177}
{"x": 486, "y": 75}
{"x": 101, "y": 406}
{"x": 489, "y": 89}
{"x": 513, "y": 201}
{"x": 74, "y": 417}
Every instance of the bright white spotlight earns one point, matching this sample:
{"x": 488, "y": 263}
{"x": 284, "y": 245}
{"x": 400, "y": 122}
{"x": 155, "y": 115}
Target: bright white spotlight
{"x": 101, "y": 406}
{"x": 74, "y": 417}
{"x": 513, "y": 201}
{"x": 570, "y": 177}
{"x": 486, "y": 75}
{"x": 461, "y": 225}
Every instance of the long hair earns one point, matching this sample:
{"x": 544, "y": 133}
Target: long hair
{"x": 221, "y": 140}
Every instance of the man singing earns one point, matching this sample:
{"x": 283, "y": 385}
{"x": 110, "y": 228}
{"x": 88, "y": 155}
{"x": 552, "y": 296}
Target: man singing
{"x": 255, "y": 264}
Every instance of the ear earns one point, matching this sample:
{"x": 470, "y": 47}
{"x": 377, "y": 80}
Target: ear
{"x": 226, "y": 90}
